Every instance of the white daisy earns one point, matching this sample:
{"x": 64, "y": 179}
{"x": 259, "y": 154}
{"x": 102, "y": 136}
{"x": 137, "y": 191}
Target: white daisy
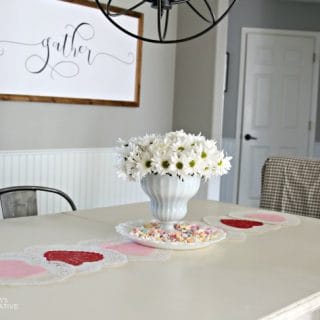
{"x": 144, "y": 164}
{"x": 223, "y": 166}
{"x": 175, "y": 153}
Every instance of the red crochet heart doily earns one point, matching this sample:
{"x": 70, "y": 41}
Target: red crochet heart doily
{"x": 241, "y": 224}
{"x": 75, "y": 258}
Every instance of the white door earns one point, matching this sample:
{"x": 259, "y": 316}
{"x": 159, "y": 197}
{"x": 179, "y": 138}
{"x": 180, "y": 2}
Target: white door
{"x": 277, "y": 104}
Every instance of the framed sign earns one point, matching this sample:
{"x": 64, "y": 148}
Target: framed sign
{"x": 65, "y": 51}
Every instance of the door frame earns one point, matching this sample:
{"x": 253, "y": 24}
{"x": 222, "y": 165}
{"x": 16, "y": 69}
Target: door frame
{"x": 240, "y": 106}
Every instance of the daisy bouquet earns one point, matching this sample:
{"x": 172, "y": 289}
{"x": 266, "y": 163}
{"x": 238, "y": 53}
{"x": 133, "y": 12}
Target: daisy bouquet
{"x": 175, "y": 154}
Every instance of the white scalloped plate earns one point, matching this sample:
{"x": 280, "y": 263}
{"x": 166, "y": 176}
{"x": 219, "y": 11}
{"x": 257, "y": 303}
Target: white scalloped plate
{"x": 125, "y": 228}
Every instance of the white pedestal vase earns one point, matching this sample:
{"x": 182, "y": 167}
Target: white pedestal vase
{"x": 169, "y": 197}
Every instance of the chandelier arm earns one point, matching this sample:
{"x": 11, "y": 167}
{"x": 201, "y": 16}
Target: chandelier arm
{"x": 159, "y": 16}
{"x": 124, "y": 11}
{"x": 164, "y": 32}
{"x": 166, "y": 24}
{"x": 165, "y": 41}
{"x": 210, "y": 10}
{"x": 199, "y": 13}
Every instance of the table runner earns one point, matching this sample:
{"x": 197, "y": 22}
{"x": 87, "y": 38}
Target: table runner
{"x": 46, "y": 264}
{"x": 40, "y": 265}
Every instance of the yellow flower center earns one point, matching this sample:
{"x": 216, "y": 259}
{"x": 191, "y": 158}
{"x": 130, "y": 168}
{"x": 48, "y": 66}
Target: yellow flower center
{"x": 203, "y": 155}
{"x": 179, "y": 165}
{"x": 165, "y": 164}
{"x": 148, "y": 164}
{"x": 192, "y": 163}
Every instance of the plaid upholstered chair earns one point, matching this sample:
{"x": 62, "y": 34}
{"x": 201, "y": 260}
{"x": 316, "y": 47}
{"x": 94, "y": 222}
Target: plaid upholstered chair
{"x": 291, "y": 185}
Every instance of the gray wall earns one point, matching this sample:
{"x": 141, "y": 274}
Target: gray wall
{"x": 194, "y": 78}
{"x": 42, "y": 126}
{"x": 197, "y": 94}
{"x": 194, "y": 84}
{"x": 274, "y": 14}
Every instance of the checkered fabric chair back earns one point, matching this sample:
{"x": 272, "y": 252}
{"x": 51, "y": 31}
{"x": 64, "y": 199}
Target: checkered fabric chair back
{"x": 291, "y": 185}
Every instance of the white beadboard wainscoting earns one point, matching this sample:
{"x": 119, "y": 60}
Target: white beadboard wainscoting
{"x": 226, "y": 189}
{"x": 88, "y": 176}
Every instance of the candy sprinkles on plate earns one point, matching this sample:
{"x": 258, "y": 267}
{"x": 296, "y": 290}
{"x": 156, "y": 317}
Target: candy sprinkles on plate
{"x": 183, "y": 233}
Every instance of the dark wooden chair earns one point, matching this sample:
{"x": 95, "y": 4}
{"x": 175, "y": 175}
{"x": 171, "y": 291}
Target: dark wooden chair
{"x": 21, "y": 201}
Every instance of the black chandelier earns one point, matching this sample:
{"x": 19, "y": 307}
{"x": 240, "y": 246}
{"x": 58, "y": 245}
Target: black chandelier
{"x": 163, "y": 8}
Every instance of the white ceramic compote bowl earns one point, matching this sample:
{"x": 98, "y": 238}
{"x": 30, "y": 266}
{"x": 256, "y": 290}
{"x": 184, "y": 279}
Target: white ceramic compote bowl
{"x": 169, "y": 197}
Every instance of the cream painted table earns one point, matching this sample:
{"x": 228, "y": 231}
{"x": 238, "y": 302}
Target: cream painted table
{"x": 271, "y": 276}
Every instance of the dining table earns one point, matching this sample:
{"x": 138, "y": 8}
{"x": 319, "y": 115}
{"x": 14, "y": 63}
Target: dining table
{"x": 272, "y": 275}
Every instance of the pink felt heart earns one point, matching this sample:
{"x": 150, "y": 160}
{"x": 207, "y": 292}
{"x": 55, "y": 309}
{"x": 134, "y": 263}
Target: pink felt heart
{"x": 130, "y": 248}
{"x": 269, "y": 217}
{"x": 19, "y": 269}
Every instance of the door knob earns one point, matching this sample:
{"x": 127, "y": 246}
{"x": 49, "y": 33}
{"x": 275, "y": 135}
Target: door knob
{"x": 249, "y": 137}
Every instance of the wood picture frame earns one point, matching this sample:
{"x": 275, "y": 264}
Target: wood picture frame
{"x": 65, "y": 51}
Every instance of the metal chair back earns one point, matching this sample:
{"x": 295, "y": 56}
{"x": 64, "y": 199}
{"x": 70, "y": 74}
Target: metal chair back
{"x": 21, "y": 201}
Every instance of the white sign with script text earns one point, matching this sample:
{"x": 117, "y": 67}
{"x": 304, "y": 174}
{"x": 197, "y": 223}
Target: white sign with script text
{"x": 51, "y": 48}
